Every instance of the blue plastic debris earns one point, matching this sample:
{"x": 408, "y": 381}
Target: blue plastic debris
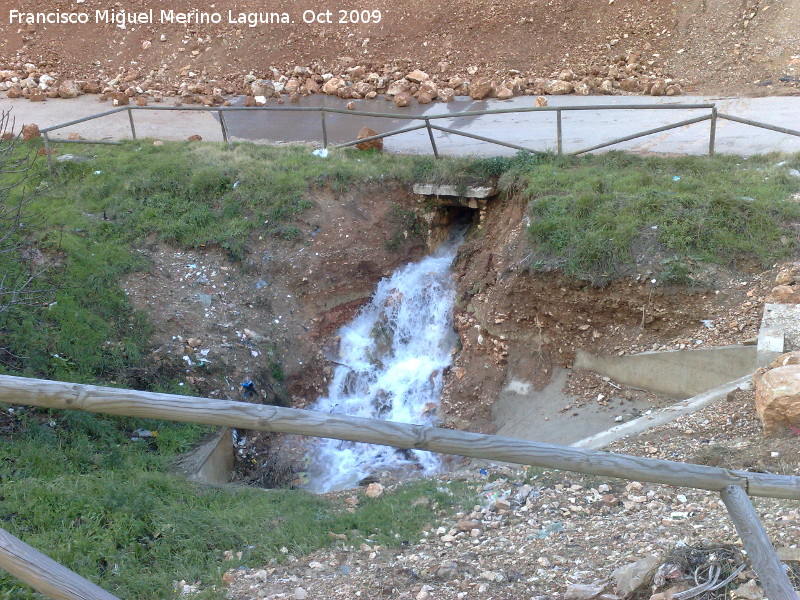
{"x": 248, "y": 388}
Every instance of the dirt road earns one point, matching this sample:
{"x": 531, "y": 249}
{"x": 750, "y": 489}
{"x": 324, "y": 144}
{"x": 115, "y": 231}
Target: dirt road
{"x": 537, "y": 131}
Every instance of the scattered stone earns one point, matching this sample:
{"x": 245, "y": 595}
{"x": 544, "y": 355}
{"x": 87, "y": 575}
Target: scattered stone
{"x": 748, "y": 591}
{"x": 659, "y": 88}
{"x": 540, "y": 102}
{"x": 366, "y": 132}
{"x": 158, "y": 143}
{"x": 7, "y": 136}
{"x": 784, "y": 294}
{"x": 141, "y": 101}
{"x": 504, "y": 93}
{"x": 69, "y": 89}
{"x": 558, "y": 87}
{"x": 30, "y": 132}
{"x": 119, "y": 99}
{"x": 300, "y": 594}
{"x": 481, "y": 89}
{"x": 447, "y": 94}
{"x": 402, "y": 99}
{"x": 417, "y": 76}
{"x": 580, "y": 591}
{"x": 195, "y": 138}
{"x": 374, "y": 490}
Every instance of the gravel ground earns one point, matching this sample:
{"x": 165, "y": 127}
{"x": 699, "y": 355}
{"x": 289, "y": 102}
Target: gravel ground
{"x": 544, "y": 534}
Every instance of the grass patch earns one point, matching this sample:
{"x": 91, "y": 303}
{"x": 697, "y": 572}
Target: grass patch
{"x": 77, "y": 488}
{"x": 607, "y": 216}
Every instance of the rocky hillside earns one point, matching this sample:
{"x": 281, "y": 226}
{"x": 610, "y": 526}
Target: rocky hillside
{"x": 476, "y": 47}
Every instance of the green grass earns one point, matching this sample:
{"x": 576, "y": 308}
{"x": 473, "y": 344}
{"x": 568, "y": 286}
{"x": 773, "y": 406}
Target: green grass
{"x": 73, "y": 484}
{"x": 109, "y": 509}
{"x": 607, "y": 216}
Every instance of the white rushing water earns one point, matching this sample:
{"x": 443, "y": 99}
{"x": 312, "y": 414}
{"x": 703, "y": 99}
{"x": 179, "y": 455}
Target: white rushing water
{"x": 392, "y": 356}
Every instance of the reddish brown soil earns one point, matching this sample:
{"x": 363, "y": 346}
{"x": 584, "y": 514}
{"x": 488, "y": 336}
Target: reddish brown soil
{"x": 513, "y": 321}
{"x": 710, "y": 45}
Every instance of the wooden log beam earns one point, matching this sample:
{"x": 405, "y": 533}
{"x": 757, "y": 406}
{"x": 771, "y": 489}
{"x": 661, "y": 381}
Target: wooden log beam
{"x": 208, "y": 411}
{"x": 762, "y": 555}
{"x": 44, "y": 574}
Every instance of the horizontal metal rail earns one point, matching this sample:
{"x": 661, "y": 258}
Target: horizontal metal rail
{"x": 361, "y": 113}
{"x": 481, "y": 138}
{"x": 759, "y": 124}
{"x": 380, "y": 136}
{"x": 426, "y": 119}
{"x": 643, "y": 134}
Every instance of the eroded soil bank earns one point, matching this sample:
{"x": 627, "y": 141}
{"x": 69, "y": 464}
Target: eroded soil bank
{"x": 273, "y": 319}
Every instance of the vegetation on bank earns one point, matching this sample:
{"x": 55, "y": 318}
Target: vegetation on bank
{"x": 612, "y": 215}
{"x": 77, "y": 487}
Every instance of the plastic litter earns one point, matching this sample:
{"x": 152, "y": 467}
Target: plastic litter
{"x": 321, "y": 152}
{"x": 248, "y": 388}
{"x": 676, "y": 178}
{"x": 547, "y": 531}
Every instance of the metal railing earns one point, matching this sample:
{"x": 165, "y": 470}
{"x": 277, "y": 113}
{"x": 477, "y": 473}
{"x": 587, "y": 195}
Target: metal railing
{"x": 428, "y": 123}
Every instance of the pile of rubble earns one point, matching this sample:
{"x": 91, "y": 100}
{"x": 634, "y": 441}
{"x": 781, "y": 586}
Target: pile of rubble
{"x": 625, "y": 74}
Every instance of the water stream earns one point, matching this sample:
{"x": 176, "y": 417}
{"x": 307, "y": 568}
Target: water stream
{"x": 392, "y": 357}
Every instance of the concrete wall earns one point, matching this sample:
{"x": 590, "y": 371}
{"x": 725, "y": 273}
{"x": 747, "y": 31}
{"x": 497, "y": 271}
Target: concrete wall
{"x": 212, "y": 461}
{"x": 678, "y": 373}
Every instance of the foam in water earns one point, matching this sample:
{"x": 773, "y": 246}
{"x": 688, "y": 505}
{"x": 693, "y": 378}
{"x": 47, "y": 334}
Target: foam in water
{"x": 395, "y": 351}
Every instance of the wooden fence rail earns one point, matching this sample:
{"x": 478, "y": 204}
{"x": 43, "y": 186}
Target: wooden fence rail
{"x": 208, "y": 411}
{"x": 44, "y": 574}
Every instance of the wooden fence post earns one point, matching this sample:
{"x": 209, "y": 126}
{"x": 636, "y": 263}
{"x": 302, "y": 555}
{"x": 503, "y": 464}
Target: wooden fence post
{"x": 762, "y": 555}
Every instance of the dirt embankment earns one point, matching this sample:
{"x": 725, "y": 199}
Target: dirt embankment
{"x": 274, "y": 319}
{"x": 516, "y": 323}
{"x": 269, "y": 319}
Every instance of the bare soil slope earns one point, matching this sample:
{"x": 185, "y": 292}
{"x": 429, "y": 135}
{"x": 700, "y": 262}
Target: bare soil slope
{"x": 729, "y": 46}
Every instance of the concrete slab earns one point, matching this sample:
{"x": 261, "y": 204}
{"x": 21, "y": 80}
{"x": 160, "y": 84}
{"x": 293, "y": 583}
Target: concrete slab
{"x": 430, "y": 189}
{"x": 677, "y": 373}
{"x": 664, "y": 415}
{"x": 212, "y": 461}
{"x": 538, "y": 415}
{"x": 779, "y": 332}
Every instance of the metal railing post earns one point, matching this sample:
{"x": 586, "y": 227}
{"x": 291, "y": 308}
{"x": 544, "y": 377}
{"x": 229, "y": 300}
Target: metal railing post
{"x": 130, "y": 118}
{"x": 712, "y": 136}
{"x": 47, "y": 153}
{"x": 559, "y": 141}
{"x": 224, "y": 127}
{"x": 430, "y": 135}
{"x": 324, "y": 129}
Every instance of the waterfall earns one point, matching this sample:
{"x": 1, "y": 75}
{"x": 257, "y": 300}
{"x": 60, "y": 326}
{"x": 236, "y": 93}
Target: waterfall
{"x": 392, "y": 357}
